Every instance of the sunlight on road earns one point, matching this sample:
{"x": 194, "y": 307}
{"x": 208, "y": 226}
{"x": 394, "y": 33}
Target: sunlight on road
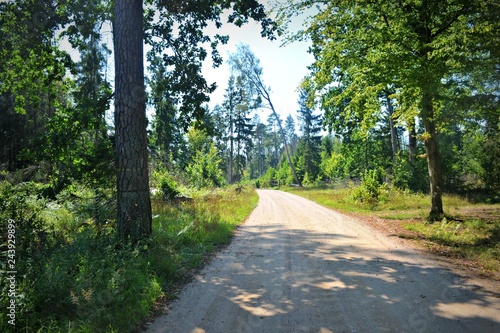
{"x": 295, "y": 266}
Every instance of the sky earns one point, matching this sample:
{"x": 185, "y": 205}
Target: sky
{"x": 284, "y": 67}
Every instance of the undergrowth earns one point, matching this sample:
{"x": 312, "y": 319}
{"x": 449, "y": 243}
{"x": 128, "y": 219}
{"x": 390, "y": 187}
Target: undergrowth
{"x": 74, "y": 275}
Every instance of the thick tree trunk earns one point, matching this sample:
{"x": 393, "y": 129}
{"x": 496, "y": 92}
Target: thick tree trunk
{"x": 431, "y": 141}
{"x": 134, "y": 205}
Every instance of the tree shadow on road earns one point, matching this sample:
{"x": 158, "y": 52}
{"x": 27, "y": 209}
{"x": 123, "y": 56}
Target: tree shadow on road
{"x": 282, "y": 280}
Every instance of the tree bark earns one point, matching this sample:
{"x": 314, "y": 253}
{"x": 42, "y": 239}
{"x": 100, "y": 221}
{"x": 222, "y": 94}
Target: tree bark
{"x": 231, "y": 150}
{"x": 394, "y": 134}
{"x": 412, "y": 142}
{"x": 431, "y": 141}
{"x": 134, "y": 218}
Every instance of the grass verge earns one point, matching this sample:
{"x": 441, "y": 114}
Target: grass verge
{"x": 469, "y": 235}
{"x": 74, "y": 275}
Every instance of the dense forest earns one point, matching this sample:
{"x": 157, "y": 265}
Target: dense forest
{"x": 402, "y": 93}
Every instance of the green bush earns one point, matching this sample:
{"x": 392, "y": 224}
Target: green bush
{"x": 410, "y": 176}
{"x": 370, "y": 190}
{"x": 72, "y": 273}
{"x": 167, "y": 186}
{"x": 20, "y": 207}
{"x": 204, "y": 169}
{"x": 284, "y": 174}
{"x": 268, "y": 178}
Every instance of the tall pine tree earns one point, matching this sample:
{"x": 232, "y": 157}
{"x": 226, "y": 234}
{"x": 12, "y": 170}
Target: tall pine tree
{"x": 308, "y": 157}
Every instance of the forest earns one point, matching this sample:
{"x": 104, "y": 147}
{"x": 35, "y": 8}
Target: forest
{"x": 100, "y": 203}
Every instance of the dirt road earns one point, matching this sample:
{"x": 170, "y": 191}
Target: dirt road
{"x": 295, "y": 266}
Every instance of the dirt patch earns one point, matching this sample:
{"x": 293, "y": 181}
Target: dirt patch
{"x": 464, "y": 266}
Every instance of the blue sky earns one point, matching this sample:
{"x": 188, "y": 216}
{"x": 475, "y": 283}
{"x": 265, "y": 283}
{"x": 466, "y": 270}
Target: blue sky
{"x": 284, "y": 67}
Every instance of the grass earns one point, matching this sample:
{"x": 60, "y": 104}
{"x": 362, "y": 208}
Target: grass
{"x": 185, "y": 235}
{"x": 76, "y": 276}
{"x": 469, "y": 235}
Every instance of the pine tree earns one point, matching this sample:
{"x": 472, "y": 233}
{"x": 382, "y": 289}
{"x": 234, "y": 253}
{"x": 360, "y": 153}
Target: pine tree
{"x": 308, "y": 149}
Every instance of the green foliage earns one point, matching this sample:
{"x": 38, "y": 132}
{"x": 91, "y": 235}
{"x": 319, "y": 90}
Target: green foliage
{"x": 406, "y": 175}
{"x": 183, "y": 44}
{"x": 334, "y": 166}
{"x": 415, "y": 52}
{"x": 169, "y": 189}
{"x": 204, "y": 171}
{"x": 306, "y": 181}
{"x": 284, "y": 174}
{"x": 23, "y": 203}
{"x": 269, "y": 178}
{"x": 166, "y": 139}
{"x": 370, "y": 191}
{"x": 31, "y": 75}
{"x": 52, "y": 118}
{"x": 307, "y": 155}
{"x": 76, "y": 275}
{"x": 20, "y": 207}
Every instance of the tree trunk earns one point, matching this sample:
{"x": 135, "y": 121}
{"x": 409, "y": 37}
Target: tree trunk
{"x": 431, "y": 141}
{"x": 134, "y": 205}
{"x": 276, "y": 150}
{"x": 231, "y": 151}
{"x": 394, "y": 134}
{"x": 412, "y": 142}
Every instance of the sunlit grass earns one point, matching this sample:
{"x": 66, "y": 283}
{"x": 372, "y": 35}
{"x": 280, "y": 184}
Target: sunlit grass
{"x": 81, "y": 278}
{"x": 185, "y": 234}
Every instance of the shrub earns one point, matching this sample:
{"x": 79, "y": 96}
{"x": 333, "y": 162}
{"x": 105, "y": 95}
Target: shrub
{"x": 370, "y": 190}
{"x": 20, "y": 207}
{"x": 168, "y": 187}
{"x": 268, "y": 179}
{"x": 204, "y": 170}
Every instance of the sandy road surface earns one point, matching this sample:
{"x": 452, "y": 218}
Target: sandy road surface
{"x": 295, "y": 266}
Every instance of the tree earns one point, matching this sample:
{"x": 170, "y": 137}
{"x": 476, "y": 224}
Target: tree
{"x": 55, "y": 121}
{"x": 134, "y": 218}
{"x": 134, "y": 207}
{"x": 203, "y": 168}
{"x": 273, "y": 129}
{"x": 392, "y": 128}
{"x": 309, "y": 144}
{"x": 291, "y": 136}
{"x": 259, "y": 149}
{"x": 166, "y": 140}
{"x": 31, "y": 75}
{"x": 238, "y": 103}
{"x": 245, "y": 62}
{"x": 366, "y": 46}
